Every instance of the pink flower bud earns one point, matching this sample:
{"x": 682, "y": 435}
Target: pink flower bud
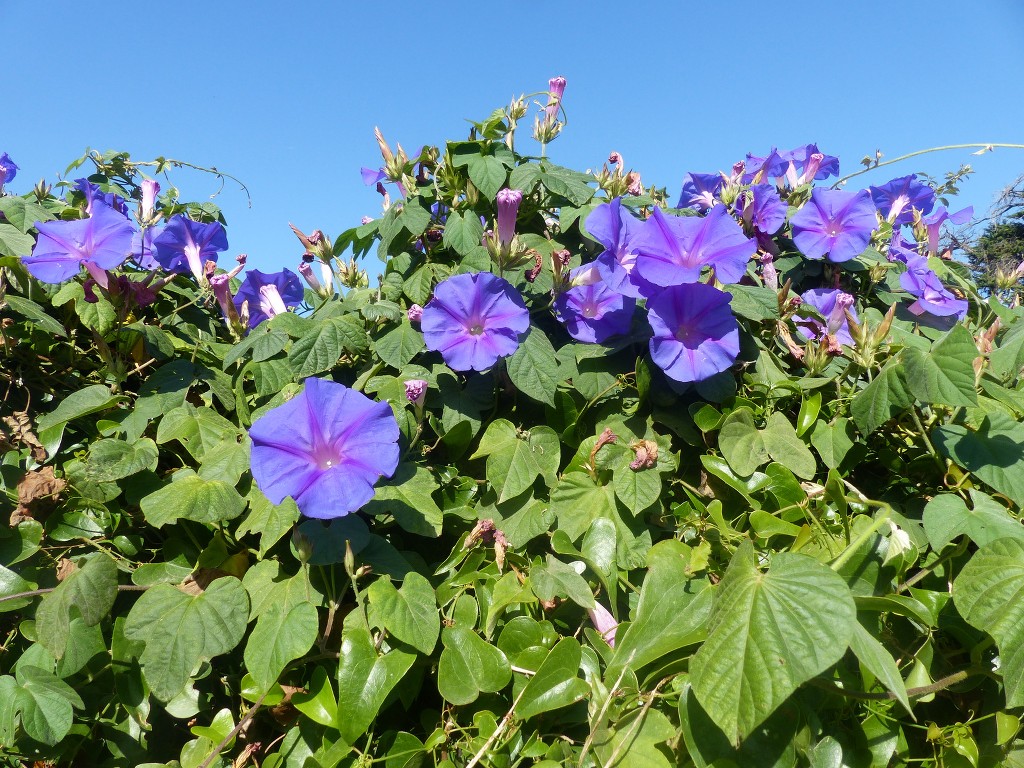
{"x": 415, "y": 313}
{"x": 150, "y": 189}
{"x": 508, "y": 201}
{"x": 604, "y": 623}
{"x": 556, "y": 87}
{"x": 416, "y": 391}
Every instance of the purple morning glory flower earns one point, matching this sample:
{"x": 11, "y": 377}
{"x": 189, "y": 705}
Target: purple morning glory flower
{"x": 674, "y": 249}
{"x": 616, "y": 229}
{"x": 807, "y": 163}
{"x": 695, "y": 332}
{"x": 897, "y": 199}
{"x": 764, "y": 209}
{"x": 700, "y": 191}
{"x": 592, "y": 311}
{"x": 933, "y": 224}
{"x": 268, "y": 294}
{"x": 474, "y": 319}
{"x": 92, "y": 193}
{"x": 326, "y": 448}
{"x": 932, "y": 296}
{"x": 760, "y": 169}
{"x": 8, "y": 170}
{"x": 63, "y": 247}
{"x": 185, "y": 245}
{"x": 832, "y": 304}
{"x": 834, "y": 222}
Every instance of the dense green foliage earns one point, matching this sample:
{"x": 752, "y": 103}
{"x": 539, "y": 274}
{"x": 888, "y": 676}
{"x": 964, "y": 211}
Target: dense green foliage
{"x": 815, "y": 559}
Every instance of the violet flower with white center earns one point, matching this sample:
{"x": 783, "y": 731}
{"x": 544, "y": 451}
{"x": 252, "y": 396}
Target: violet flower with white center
{"x": 896, "y": 200}
{"x": 603, "y": 622}
{"x": 326, "y": 448}
{"x": 185, "y": 245}
{"x": 806, "y": 163}
{"x": 759, "y": 170}
{"x": 696, "y": 334}
{"x": 932, "y": 296}
{"x": 265, "y": 295}
{"x": 832, "y": 304}
{"x": 473, "y": 320}
{"x": 674, "y": 249}
{"x": 700, "y": 191}
{"x": 590, "y": 310}
{"x": 616, "y": 229}
{"x": 416, "y": 391}
{"x": 508, "y": 201}
{"x": 834, "y": 222}
{"x": 100, "y": 242}
{"x": 8, "y": 170}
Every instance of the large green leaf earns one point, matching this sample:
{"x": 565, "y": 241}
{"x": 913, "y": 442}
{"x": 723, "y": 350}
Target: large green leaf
{"x": 81, "y": 403}
{"x": 90, "y": 590}
{"x": 989, "y": 594}
{"x": 741, "y": 442}
{"x": 463, "y": 232}
{"x": 487, "y": 173}
{"x": 994, "y": 453}
{"x": 280, "y": 636}
{"x": 637, "y": 740}
{"x": 113, "y": 459}
{"x": 944, "y": 375}
{"x": 180, "y": 630}
{"x": 768, "y": 633}
{"x": 534, "y": 369}
{"x": 46, "y": 704}
{"x": 364, "y": 680}
{"x": 785, "y": 447}
{"x": 578, "y": 500}
{"x": 516, "y": 459}
{"x": 14, "y": 242}
{"x": 408, "y": 496}
{"x": 35, "y": 313}
{"x": 192, "y": 498}
{"x": 947, "y": 516}
{"x": 271, "y": 521}
{"x": 553, "y": 578}
{"x": 322, "y": 344}
{"x": 400, "y": 345}
{"x": 199, "y": 429}
{"x": 655, "y": 632}
{"x": 469, "y": 665}
{"x": 882, "y": 399}
{"x": 409, "y": 613}
{"x": 23, "y": 213}
{"x": 556, "y": 683}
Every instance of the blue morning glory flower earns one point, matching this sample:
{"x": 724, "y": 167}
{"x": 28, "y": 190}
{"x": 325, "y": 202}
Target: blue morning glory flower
{"x": 102, "y": 241}
{"x": 185, "y": 245}
{"x": 8, "y": 170}
{"x": 932, "y": 296}
{"x": 834, "y": 222}
{"x": 696, "y": 334}
{"x": 265, "y": 295}
{"x": 700, "y": 191}
{"x": 616, "y": 229}
{"x": 674, "y": 249}
{"x": 591, "y": 310}
{"x": 326, "y": 448}
{"x": 897, "y": 199}
{"x": 473, "y": 320}
{"x": 832, "y": 304}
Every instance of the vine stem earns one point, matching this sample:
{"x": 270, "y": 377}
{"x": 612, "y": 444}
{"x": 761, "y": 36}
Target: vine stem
{"x": 919, "y": 152}
{"x": 856, "y": 544}
{"x": 497, "y": 731}
{"x": 233, "y": 732}
{"x": 939, "y": 685}
{"x": 46, "y": 590}
{"x": 604, "y": 708}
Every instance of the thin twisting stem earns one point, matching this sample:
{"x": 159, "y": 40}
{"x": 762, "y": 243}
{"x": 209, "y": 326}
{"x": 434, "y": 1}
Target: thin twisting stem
{"x": 901, "y": 158}
{"x": 234, "y": 732}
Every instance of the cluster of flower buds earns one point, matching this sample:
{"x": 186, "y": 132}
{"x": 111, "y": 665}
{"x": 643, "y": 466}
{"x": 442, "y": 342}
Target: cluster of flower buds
{"x": 317, "y": 248}
{"x": 351, "y": 276}
{"x": 868, "y": 340}
{"x": 397, "y": 167}
{"x": 547, "y": 126}
{"x": 616, "y": 181}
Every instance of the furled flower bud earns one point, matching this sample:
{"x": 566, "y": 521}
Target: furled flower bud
{"x": 221, "y": 285}
{"x": 837, "y": 316}
{"x": 769, "y": 274}
{"x": 604, "y": 623}
{"x": 366, "y": 219}
{"x": 150, "y": 189}
{"x": 414, "y": 313}
{"x": 556, "y": 87}
{"x": 508, "y": 201}
{"x": 311, "y": 280}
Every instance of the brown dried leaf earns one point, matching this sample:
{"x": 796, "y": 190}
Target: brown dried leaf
{"x": 20, "y": 427}
{"x": 36, "y": 487}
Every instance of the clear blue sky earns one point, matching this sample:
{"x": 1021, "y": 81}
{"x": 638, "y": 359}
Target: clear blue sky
{"x": 286, "y": 95}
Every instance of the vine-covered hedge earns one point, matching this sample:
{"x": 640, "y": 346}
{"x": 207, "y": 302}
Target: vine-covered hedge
{"x": 590, "y": 475}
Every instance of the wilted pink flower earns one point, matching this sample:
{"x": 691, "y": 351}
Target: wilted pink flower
{"x": 414, "y": 313}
